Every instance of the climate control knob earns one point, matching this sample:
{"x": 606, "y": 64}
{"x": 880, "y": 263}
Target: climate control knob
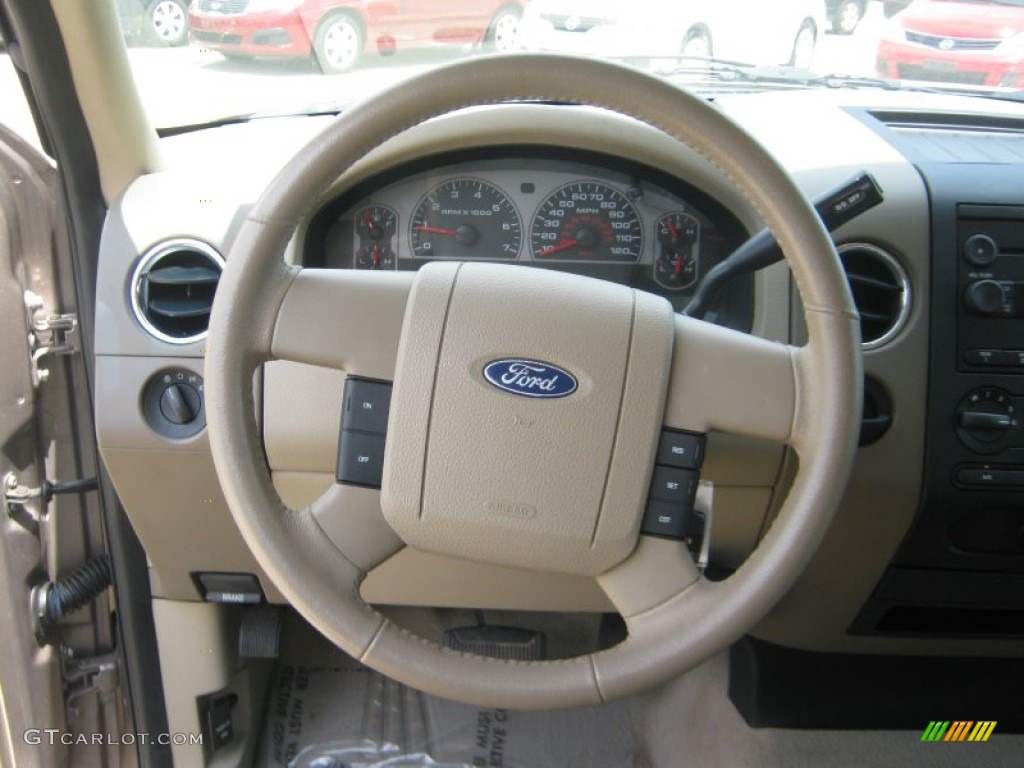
{"x": 986, "y": 420}
{"x": 985, "y": 297}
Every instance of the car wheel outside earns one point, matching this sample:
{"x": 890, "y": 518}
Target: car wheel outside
{"x": 503, "y": 33}
{"x": 167, "y": 23}
{"x": 847, "y": 16}
{"x": 803, "y": 47}
{"x": 338, "y": 43}
{"x": 697, "y": 43}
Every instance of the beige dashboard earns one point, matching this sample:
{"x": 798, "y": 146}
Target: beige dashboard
{"x": 169, "y": 487}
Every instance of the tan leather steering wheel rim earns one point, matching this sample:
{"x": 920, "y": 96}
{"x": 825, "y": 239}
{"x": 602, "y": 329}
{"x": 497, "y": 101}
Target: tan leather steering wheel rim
{"x": 670, "y": 632}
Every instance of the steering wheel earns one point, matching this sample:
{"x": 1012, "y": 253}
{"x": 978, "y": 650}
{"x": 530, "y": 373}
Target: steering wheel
{"x": 549, "y": 484}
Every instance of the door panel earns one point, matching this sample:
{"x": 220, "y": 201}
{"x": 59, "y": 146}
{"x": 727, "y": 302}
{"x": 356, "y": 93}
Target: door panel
{"x": 30, "y": 679}
{"x": 40, "y": 397}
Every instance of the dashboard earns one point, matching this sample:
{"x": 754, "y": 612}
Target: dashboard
{"x": 580, "y": 190}
{"x": 592, "y": 215}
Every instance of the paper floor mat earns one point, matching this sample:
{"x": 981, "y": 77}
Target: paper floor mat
{"x": 329, "y": 717}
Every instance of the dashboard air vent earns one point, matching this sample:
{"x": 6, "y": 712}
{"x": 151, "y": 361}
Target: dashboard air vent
{"x": 881, "y": 290}
{"x": 172, "y": 290}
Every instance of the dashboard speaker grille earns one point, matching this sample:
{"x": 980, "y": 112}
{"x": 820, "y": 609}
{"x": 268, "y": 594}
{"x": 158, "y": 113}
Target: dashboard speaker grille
{"x": 881, "y": 290}
{"x": 173, "y": 287}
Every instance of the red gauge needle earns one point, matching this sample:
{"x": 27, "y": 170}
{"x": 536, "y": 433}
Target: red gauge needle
{"x": 671, "y": 230}
{"x": 562, "y": 246}
{"x": 376, "y": 257}
{"x": 436, "y": 230}
{"x": 679, "y": 265}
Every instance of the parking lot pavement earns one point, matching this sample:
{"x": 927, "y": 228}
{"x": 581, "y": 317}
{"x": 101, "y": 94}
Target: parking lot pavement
{"x": 191, "y": 85}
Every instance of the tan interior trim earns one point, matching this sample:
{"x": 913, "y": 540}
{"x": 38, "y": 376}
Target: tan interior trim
{"x": 126, "y": 143}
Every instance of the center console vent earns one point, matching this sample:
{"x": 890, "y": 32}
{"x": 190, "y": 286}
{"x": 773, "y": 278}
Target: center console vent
{"x": 881, "y": 290}
{"x": 172, "y": 290}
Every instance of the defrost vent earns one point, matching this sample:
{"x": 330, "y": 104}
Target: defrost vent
{"x": 881, "y": 291}
{"x": 172, "y": 289}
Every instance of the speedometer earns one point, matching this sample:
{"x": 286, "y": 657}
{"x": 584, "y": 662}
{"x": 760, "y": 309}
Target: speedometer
{"x": 587, "y": 221}
{"x": 465, "y": 219}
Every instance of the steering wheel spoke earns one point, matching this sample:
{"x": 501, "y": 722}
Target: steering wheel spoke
{"x": 656, "y": 572}
{"x": 731, "y": 382}
{"x": 343, "y": 319}
{"x": 350, "y": 516}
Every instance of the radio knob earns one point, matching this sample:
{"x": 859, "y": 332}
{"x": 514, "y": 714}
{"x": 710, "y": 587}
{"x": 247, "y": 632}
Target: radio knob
{"x": 985, "y": 297}
{"x": 980, "y": 250}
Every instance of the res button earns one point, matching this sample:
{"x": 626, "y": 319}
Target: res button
{"x": 680, "y": 449}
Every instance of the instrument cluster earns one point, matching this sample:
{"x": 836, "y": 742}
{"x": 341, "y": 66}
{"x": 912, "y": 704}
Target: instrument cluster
{"x": 591, "y": 215}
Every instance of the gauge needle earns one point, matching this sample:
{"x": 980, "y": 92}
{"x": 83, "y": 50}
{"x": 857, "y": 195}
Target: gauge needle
{"x": 436, "y": 230}
{"x": 679, "y": 265}
{"x": 671, "y": 230}
{"x": 562, "y": 246}
{"x": 376, "y": 257}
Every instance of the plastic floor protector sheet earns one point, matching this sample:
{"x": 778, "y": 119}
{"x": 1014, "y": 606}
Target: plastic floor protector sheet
{"x": 352, "y": 717}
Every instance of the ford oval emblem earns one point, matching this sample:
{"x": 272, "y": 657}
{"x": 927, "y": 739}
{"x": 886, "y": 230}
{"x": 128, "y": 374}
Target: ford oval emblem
{"x": 530, "y": 378}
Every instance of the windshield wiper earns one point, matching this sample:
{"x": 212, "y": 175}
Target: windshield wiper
{"x": 696, "y": 70}
{"x": 725, "y": 71}
{"x": 317, "y": 109}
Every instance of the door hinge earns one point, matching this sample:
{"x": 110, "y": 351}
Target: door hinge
{"x": 18, "y": 495}
{"x": 51, "y": 334}
{"x": 91, "y": 675}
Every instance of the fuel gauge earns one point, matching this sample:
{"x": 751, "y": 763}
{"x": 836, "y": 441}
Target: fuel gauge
{"x": 375, "y": 234}
{"x": 676, "y": 263}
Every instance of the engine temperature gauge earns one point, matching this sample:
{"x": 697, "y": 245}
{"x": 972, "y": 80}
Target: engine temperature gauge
{"x": 676, "y": 262}
{"x": 375, "y": 234}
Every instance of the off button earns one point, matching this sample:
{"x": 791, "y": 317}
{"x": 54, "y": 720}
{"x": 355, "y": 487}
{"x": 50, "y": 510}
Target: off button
{"x": 361, "y": 459}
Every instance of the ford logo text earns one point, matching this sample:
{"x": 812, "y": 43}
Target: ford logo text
{"x": 530, "y": 378}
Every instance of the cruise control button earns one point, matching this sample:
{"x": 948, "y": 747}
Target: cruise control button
{"x": 675, "y": 485}
{"x": 361, "y": 459}
{"x": 680, "y": 449}
{"x": 366, "y": 406}
{"x": 664, "y": 519}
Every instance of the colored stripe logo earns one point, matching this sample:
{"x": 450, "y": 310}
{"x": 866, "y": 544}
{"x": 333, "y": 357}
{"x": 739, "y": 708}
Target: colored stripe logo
{"x": 958, "y": 730}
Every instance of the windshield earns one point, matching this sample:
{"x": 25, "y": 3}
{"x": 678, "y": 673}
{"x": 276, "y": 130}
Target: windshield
{"x": 225, "y": 59}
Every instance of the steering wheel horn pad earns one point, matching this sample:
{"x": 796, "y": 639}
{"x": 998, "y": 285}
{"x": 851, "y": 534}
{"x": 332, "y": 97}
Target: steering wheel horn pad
{"x": 551, "y": 484}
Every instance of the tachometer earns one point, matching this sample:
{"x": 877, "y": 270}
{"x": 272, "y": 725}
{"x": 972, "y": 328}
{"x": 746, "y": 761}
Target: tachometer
{"x": 465, "y": 219}
{"x": 587, "y": 221}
